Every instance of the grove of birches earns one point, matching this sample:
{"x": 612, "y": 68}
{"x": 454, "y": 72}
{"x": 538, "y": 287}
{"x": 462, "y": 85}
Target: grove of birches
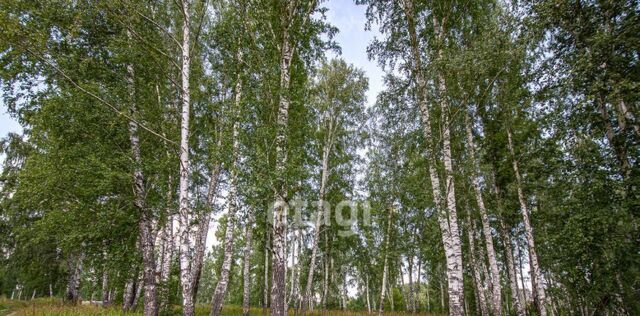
{"x": 496, "y": 173}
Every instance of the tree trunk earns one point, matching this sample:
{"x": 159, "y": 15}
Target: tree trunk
{"x": 105, "y": 287}
{"x": 74, "y": 266}
{"x": 246, "y": 270}
{"x": 146, "y": 238}
{"x": 129, "y": 293}
{"x": 343, "y": 294}
{"x": 390, "y": 295}
{"x": 477, "y": 278}
{"x": 625, "y": 113}
{"x": 265, "y": 299}
{"x": 448, "y": 226}
{"x": 186, "y": 233}
{"x": 536, "y": 273}
{"x": 385, "y": 265}
{"x": 454, "y": 262}
{"x": 138, "y": 293}
{"x": 221, "y": 287}
{"x": 325, "y": 283}
{"x": 496, "y": 293}
{"x": 619, "y": 149}
{"x": 522, "y": 293}
{"x": 326, "y": 150}
{"x": 403, "y": 289}
{"x": 366, "y": 284}
{"x": 278, "y": 286}
{"x": 412, "y": 298}
{"x": 511, "y": 270}
{"x": 166, "y": 249}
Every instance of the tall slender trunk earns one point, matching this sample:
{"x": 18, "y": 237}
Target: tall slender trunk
{"x": 522, "y": 293}
{"x": 166, "y": 249}
{"x": 416, "y": 301}
{"x": 403, "y": 289}
{"x": 295, "y": 263}
{"x": 325, "y": 283}
{"x": 265, "y": 298}
{"x": 246, "y": 269}
{"x": 428, "y": 290}
{"x": 366, "y": 284}
{"x": 326, "y": 151}
{"x": 221, "y": 287}
{"x": 475, "y": 267}
{"x": 536, "y": 272}
{"x": 454, "y": 265}
{"x": 146, "y": 238}
{"x": 390, "y": 295}
{"x": 278, "y": 286}
{"x": 298, "y": 289}
{"x": 187, "y": 234}
{"x": 496, "y": 293}
{"x": 412, "y": 298}
{"x": 516, "y": 298}
{"x": 201, "y": 232}
{"x": 343, "y": 292}
{"x": 385, "y": 264}
{"x": 448, "y": 225}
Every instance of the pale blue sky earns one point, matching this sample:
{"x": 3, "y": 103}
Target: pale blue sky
{"x": 353, "y": 39}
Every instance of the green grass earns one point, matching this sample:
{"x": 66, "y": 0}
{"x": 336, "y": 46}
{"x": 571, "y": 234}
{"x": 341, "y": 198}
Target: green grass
{"x": 55, "y": 307}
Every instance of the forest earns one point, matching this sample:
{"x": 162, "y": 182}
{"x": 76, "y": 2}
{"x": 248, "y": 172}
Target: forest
{"x": 221, "y": 157}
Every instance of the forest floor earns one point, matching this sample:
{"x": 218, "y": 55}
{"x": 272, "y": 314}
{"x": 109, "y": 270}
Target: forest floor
{"x": 54, "y": 307}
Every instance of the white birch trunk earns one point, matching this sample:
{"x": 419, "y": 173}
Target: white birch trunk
{"x": 496, "y": 290}
{"x": 221, "y": 287}
{"x": 536, "y": 273}
{"x": 412, "y": 298}
{"x": 516, "y": 297}
{"x": 73, "y": 283}
{"x": 366, "y": 284}
{"x": 146, "y": 238}
{"x": 448, "y": 225}
{"x": 265, "y": 298}
{"x": 326, "y": 152}
{"x": 385, "y": 264}
{"x": 477, "y": 278}
{"x": 246, "y": 270}
{"x": 278, "y": 286}
{"x": 105, "y": 287}
{"x": 454, "y": 263}
{"x": 185, "y": 216}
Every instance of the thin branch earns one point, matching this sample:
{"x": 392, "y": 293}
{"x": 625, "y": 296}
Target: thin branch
{"x": 159, "y": 27}
{"x": 95, "y": 96}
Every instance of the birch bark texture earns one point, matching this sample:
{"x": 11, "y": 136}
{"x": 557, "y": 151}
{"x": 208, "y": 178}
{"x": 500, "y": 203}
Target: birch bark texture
{"x": 448, "y": 223}
{"x": 145, "y": 223}
{"x": 186, "y": 234}
{"x": 496, "y": 290}
{"x": 221, "y": 287}
{"x": 536, "y": 272}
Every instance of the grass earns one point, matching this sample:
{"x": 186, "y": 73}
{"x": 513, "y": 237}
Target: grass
{"x": 55, "y": 307}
